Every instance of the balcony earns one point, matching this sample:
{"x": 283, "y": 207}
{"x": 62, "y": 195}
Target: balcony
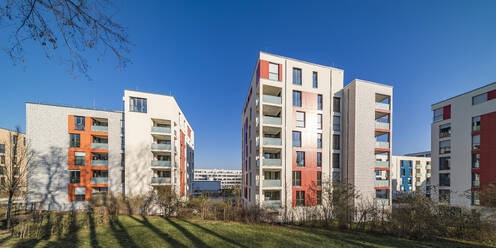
{"x": 161, "y": 163}
{"x": 99, "y": 128}
{"x": 271, "y": 203}
{"x": 418, "y": 184}
{"x": 476, "y": 183}
{"x": 381, "y": 202}
{"x": 272, "y": 141}
{"x": 382, "y": 106}
{"x": 272, "y": 99}
{"x": 382, "y": 125}
{"x": 99, "y": 180}
{"x": 272, "y": 162}
{"x": 161, "y": 147}
{"x": 99, "y": 145}
{"x": 428, "y": 166}
{"x": 161, "y": 180}
{"x": 382, "y": 145}
{"x": 99, "y": 162}
{"x": 272, "y": 183}
{"x": 271, "y": 120}
{"x": 161, "y": 130}
{"x": 418, "y": 166}
{"x": 381, "y": 164}
{"x": 381, "y": 183}
{"x": 428, "y": 175}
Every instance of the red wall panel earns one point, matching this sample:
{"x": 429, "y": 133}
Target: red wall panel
{"x": 264, "y": 69}
{"x": 491, "y": 95}
{"x": 488, "y": 149}
{"x": 447, "y": 112}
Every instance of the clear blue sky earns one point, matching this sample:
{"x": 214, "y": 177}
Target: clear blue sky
{"x": 205, "y": 52}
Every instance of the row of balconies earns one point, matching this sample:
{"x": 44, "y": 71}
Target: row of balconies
{"x": 161, "y": 147}
{"x": 96, "y": 128}
{"x": 161, "y": 180}
{"x": 99, "y": 146}
{"x": 99, "y": 180}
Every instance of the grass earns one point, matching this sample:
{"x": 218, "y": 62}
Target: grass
{"x": 137, "y": 231}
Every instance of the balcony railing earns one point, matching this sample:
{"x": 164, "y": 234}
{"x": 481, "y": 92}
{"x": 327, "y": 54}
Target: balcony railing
{"x": 428, "y": 175}
{"x": 99, "y": 162}
{"x": 381, "y": 183}
{"x": 99, "y": 128}
{"x": 161, "y": 147}
{"x": 476, "y": 183}
{"x": 99, "y": 180}
{"x": 382, "y": 144}
{"x": 272, "y": 183}
{"x": 99, "y": 146}
{"x": 428, "y": 166}
{"x": 418, "y": 166}
{"x": 272, "y": 141}
{"x": 271, "y": 120}
{"x": 382, "y": 125}
{"x": 381, "y": 164}
{"x": 161, "y": 163}
{"x": 272, "y": 99}
{"x": 165, "y": 130}
{"x": 272, "y": 203}
{"x": 161, "y": 180}
{"x": 272, "y": 162}
{"x": 381, "y": 202}
{"x": 382, "y": 106}
{"x": 418, "y": 184}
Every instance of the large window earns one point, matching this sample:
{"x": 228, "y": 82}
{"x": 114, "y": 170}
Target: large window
{"x": 319, "y": 140}
{"x": 336, "y": 123}
{"x": 476, "y": 123}
{"x": 315, "y": 79}
{"x": 336, "y": 102}
{"x": 296, "y": 139}
{"x": 444, "y": 163}
{"x": 444, "y": 179}
{"x": 319, "y": 102}
{"x": 335, "y": 160}
{"x": 296, "y": 178}
{"x": 300, "y": 159}
{"x": 476, "y": 161}
{"x": 75, "y": 140}
{"x": 296, "y": 98}
{"x": 476, "y": 142}
{"x": 300, "y": 198}
{"x": 274, "y": 71}
{"x": 79, "y": 158}
{"x": 78, "y": 122}
{"x": 75, "y": 177}
{"x": 319, "y": 121}
{"x": 336, "y": 144}
{"x": 300, "y": 119}
{"x": 445, "y": 130}
{"x": 319, "y": 159}
{"x": 79, "y": 193}
{"x": 336, "y": 176}
{"x": 137, "y": 105}
{"x": 319, "y": 178}
{"x": 444, "y": 147}
{"x": 479, "y": 99}
{"x": 438, "y": 114}
{"x": 297, "y": 76}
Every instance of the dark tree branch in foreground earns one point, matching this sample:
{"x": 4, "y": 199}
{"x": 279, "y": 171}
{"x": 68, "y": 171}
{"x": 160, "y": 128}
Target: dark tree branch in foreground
{"x": 64, "y": 29}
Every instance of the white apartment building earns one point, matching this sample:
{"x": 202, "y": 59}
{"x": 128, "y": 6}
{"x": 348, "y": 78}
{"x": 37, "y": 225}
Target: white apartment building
{"x": 81, "y": 152}
{"x": 229, "y": 178}
{"x": 302, "y": 129}
{"x": 463, "y": 144}
{"x": 410, "y": 174}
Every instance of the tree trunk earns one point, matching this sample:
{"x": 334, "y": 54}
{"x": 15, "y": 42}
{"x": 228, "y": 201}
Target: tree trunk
{"x": 9, "y": 208}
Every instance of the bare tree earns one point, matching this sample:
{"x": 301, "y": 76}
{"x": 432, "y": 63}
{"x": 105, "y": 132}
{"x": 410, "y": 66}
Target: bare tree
{"x": 61, "y": 26}
{"x": 17, "y": 165}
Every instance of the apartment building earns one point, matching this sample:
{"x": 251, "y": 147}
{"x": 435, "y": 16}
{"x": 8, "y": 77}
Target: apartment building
{"x": 229, "y": 178}
{"x": 463, "y": 143}
{"x": 301, "y": 129}
{"x": 410, "y": 174}
{"x": 12, "y": 146}
{"x": 81, "y": 152}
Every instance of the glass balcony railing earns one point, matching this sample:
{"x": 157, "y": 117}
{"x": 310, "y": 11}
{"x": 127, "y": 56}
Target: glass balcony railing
{"x": 272, "y": 203}
{"x": 418, "y": 166}
{"x": 99, "y": 128}
{"x": 418, "y": 184}
{"x": 382, "y": 106}
{"x": 161, "y": 163}
{"x": 272, "y": 99}
{"x": 99, "y": 180}
{"x": 272, "y": 141}
{"x": 161, "y": 180}
{"x": 272, "y": 183}
{"x": 381, "y": 164}
{"x": 164, "y": 130}
{"x": 382, "y": 125}
{"x": 428, "y": 175}
{"x": 382, "y": 144}
{"x": 161, "y": 147}
{"x": 428, "y": 166}
{"x": 271, "y": 120}
{"x": 99, "y": 146}
{"x": 381, "y": 183}
{"x": 381, "y": 202}
{"x": 99, "y": 162}
{"x": 272, "y": 162}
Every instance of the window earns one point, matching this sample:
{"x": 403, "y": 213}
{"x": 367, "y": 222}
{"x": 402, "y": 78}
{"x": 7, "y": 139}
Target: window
{"x": 137, "y": 105}
{"x": 296, "y": 178}
{"x": 296, "y": 139}
{"x": 319, "y": 159}
{"x": 336, "y": 142}
{"x": 2, "y": 159}
{"x": 79, "y": 158}
{"x": 476, "y": 123}
{"x": 315, "y": 79}
{"x": 319, "y": 102}
{"x": 444, "y": 195}
{"x": 274, "y": 71}
{"x": 79, "y": 193}
{"x": 79, "y": 123}
{"x": 75, "y": 177}
{"x": 444, "y": 147}
{"x": 300, "y": 198}
{"x": 319, "y": 197}
{"x": 476, "y": 142}
{"x": 2, "y": 148}
{"x": 319, "y": 121}
{"x": 75, "y": 140}
{"x": 476, "y": 197}
{"x": 297, "y": 76}
{"x": 14, "y": 139}
{"x": 438, "y": 114}
{"x": 2, "y": 170}
{"x": 336, "y": 123}
{"x": 444, "y": 179}
{"x": 479, "y": 99}
{"x": 300, "y": 159}
{"x": 296, "y": 98}
{"x": 300, "y": 119}
{"x": 336, "y": 176}
{"x": 319, "y": 140}
{"x": 475, "y": 180}
{"x": 336, "y": 102}
{"x": 319, "y": 178}
{"x": 444, "y": 163}
{"x": 475, "y": 161}
{"x": 444, "y": 130}
{"x": 335, "y": 160}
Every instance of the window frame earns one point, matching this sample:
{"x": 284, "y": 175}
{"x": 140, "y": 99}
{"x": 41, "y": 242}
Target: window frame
{"x": 296, "y": 134}
{"x": 338, "y": 125}
{"x": 76, "y": 178}
{"x": 334, "y": 156}
{"x": 336, "y": 142}
{"x": 274, "y": 73}
{"x": 338, "y": 104}
{"x": 300, "y": 159}
{"x": 300, "y": 198}
{"x": 74, "y": 140}
{"x": 438, "y": 114}
{"x": 315, "y": 80}
{"x": 478, "y": 99}
{"x": 320, "y": 102}
{"x": 297, "y": 98}
{"x": 79, "y": 123}
{"x": 138, "y": 104}
{"x": 296, "y": 178}
{"x": 319, "y": 159}
{"x": 297, "y": 77}
{"x": 300, "y": 121}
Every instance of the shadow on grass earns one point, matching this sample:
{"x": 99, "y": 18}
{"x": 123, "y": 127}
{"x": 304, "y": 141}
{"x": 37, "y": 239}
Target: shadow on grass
{"x": 121, "y": 235}
{"x": 91, "y": 220}
{"x": 196, "y": 241}
{"x": 233, "y": 242}
{"x": 70, "y": 238}
{"x": 166, "y": 237}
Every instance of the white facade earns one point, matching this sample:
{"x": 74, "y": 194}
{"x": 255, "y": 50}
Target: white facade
{"x": 228, "y": 178}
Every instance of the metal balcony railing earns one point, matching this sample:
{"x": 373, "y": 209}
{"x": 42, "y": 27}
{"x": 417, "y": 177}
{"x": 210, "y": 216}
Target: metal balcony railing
{"x": 272, "y": 183}
{"x": 161, "y": 180}
{"x": 382, "y": 125}
{"x": 272, "y": 99}
{"x": 381, "y": 202}
{"x": 99, "y": 162}
{"x": 99, "y": 128}
{"x": 164, "y": 130}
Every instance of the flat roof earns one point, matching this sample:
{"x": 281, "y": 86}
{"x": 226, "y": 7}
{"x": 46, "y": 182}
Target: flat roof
{"x": 468, "y": 92}
{"x": 74, "y": 107}
{"x": 284, "y": 57}
{"x": 139, "y": 91}
{"x": 10, "y": 130}
{"x": 366, "y": 81}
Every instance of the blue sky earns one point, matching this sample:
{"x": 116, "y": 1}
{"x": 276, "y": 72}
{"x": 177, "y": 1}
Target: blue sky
{"x": 205, "y": 52}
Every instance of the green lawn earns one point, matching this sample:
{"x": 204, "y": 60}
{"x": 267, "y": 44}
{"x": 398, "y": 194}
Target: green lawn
{"x": 160, "y": 232}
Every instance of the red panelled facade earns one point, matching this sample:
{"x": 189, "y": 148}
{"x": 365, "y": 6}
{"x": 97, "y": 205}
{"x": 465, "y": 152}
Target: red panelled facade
{"x": 491, "y": 95}
{"x": 264, "y": 70}
{"x": 487, "y": 149}
{"x": 182, "y": 170}
{"x": 447, "y": 112}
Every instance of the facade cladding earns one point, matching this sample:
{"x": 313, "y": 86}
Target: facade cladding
{"x": 411, "y": 174}
{"x": 301, "y": 130}
{"x": 82, "y": 152}
{"x": 463, "y": 141}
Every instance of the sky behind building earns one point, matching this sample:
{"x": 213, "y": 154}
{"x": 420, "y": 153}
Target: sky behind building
{"x": 205, "y": 53}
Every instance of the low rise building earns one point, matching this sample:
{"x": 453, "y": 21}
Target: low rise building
{"x": 410, "y": 174}
{"x": 229, "y": 178}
